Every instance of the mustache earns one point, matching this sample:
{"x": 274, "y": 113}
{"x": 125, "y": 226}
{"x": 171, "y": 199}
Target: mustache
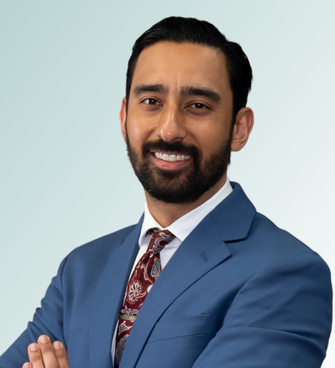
{"x": 175, "y": 147}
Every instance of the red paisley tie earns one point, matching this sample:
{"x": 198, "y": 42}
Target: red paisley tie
{"x": 140, "y": 283}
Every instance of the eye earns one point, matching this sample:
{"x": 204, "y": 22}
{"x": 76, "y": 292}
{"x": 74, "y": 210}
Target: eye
{"x": 150, "y": 101}
{"x": 199, "y": 106}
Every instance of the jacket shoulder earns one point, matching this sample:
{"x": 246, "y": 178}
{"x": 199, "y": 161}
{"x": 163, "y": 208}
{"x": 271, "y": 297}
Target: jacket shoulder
{"x": 98, "y": 250}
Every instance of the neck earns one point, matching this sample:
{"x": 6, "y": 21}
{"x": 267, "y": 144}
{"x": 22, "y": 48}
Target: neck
{"x": 167, "y": 213}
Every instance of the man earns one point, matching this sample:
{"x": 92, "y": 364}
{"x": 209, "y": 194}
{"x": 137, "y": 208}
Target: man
{"x": 235, "y": 291}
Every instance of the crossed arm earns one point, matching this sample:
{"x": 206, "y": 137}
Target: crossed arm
{"x": 44, "y": 354}
{"x": 281, "y": 317}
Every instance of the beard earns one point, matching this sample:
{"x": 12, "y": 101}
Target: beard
{"x": 184, "y": 185}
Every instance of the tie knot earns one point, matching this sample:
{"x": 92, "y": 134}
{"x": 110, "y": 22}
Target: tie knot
{"x": 159, "y": 239}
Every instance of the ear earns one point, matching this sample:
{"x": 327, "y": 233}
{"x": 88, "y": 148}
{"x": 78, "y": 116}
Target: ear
{"x": 123, "y": 118}
{"x": 244, "y": 123}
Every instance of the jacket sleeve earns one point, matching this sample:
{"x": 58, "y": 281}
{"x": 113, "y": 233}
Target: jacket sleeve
{"x": 47, "y": 320}
{"x": 281, "y": 318}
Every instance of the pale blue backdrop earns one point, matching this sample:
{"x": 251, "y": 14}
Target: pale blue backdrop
{"x": 65, "y": 177}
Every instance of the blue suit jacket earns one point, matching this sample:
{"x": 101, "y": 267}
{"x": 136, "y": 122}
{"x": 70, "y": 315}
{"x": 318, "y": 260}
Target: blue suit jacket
{"x": 239, "y": 292}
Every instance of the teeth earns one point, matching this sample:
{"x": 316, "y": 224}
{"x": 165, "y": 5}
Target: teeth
{"x": 166, "y": 157}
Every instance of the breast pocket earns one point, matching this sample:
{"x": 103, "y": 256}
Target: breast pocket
{"x": 188, "y": 326}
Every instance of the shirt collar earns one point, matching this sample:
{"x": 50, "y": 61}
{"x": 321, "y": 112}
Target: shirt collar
{"x": 182, "y": 227}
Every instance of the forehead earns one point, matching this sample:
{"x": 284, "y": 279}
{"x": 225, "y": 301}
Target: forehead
{"x": 182, "y": 64}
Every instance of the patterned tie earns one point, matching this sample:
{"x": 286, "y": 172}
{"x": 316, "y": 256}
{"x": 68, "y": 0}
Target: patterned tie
{"x": 140, "y": 283}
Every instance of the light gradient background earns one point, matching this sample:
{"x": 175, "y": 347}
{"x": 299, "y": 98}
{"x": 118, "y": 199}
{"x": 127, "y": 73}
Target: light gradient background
{"x": 65, "y": 176}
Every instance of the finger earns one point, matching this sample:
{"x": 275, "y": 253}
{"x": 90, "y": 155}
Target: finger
{"x": 47, "y": 351}
{"x": 35, "y": 356}
{"x": 27, "y": 365}
{"x": 61, "y": 354}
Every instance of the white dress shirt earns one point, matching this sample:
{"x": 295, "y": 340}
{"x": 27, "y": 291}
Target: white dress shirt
{"x": 181, "y": 228}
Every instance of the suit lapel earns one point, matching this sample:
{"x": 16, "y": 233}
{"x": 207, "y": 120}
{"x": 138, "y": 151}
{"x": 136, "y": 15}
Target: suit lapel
{"x": 108, "y": 299}
{"x": 184, "y": 269}
{"x": 200, "y": 252}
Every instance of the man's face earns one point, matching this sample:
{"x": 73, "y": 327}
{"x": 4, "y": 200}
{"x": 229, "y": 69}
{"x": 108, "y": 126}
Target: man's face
{"x": 178, "y": 126}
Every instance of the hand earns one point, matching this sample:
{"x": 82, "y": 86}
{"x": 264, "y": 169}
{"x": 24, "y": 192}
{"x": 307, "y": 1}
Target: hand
{"x": 44, "y": 354}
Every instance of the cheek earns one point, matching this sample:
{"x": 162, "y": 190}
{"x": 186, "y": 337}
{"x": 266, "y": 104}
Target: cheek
{"x": 209, "y": 140}
{"x": 138, "y": 134}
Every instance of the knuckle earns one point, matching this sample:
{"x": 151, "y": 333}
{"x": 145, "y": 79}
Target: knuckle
{"x": 47, "y": 349}
{"x": 60, "y": 354}
{"x": 53, "y": 365}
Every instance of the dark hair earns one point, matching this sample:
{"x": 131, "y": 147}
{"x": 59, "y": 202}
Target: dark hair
{"x": 181, "y": 30}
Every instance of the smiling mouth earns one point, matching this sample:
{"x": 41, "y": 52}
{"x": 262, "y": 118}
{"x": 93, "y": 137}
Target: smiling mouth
{"x": 171, "y": 157}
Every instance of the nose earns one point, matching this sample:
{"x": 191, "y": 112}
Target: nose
{"x": 172, "y": 126}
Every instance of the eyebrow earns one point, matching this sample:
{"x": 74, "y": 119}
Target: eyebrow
{"x": 143, "y": 88}
{"x": 194, "y": 91}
